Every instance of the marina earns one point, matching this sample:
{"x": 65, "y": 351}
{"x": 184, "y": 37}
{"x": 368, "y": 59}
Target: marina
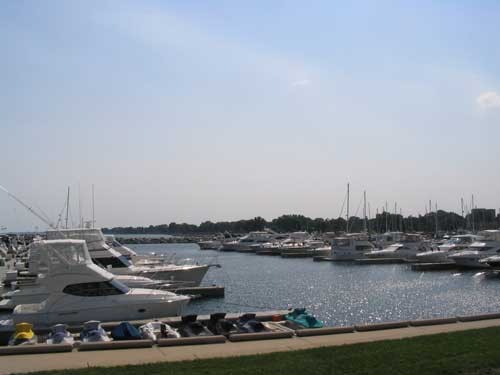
{"x": 339, "y": 293}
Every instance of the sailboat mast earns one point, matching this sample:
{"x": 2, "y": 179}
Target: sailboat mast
{"x": 347, "y": 214}
{"x": 80, "y": 218}
{"x": 93, "y": 211}
{"x": 364, "y": 212}
{"x": 67, "y": 209}
{"x": 436, "y": 219}
{"x": 386, "y": 217}
{"x": 472, "y": 214}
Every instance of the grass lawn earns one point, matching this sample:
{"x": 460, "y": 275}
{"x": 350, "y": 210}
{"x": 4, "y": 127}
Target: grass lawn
{"x": 469, "y": 352}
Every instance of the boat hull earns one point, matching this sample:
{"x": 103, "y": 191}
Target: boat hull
{"x": 109, "y": 312}
{"x": 192, "y": 275}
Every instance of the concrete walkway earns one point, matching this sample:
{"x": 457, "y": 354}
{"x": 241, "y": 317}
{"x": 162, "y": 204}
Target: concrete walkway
{"x": 58, "y": 361}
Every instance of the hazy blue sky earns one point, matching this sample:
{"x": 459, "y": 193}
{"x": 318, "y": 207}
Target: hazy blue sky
{"x": 220, "y": 110}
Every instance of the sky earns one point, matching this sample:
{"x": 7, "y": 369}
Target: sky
{"x": 189, "y": 111}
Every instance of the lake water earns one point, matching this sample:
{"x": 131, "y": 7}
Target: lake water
{"x": 337, "y": 293}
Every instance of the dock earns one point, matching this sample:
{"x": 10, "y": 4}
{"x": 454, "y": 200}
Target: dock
{"x": 433, "y": 266}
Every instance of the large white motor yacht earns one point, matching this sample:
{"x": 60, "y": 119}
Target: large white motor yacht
{"x": 487, "y": 247}
{"x": 407, "y": 248}
{"x": 77, "y": 290}
{"x": 351, "y": 246}
{"x": 113, "y": 261}
{"x": 451, "y": 246}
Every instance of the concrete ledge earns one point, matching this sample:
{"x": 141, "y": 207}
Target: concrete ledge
{"x": 323, "y": 331}
{"x": 260, "y": 336}
{"x": 431, "y": 322}
{"x": 108, "y": 345}
{"x": 471, "y": 318}
{"x": 36, "y": 349}
{"x": 379, "y": 326}
{"x": 200, "y": 340}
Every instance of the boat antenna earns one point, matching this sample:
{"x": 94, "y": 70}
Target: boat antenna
{"x": 472, "y": 214}
{"x": 50, "y": 224}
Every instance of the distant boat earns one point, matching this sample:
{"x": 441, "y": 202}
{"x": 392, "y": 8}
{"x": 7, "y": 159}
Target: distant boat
{"x": 351, "y": 246}
{"x": 245, "y": 243}
{"x": 454, "y": 245}
{"x": 407, "y": 248}
{"x": 475, "y": 256}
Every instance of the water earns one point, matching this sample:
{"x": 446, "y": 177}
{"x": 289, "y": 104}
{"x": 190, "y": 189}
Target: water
{"x": 337, "y": 293}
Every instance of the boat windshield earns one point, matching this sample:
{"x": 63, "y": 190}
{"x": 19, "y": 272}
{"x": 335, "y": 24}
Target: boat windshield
{"x": 96, "y": 289}
{"x": 341, "y": 242}
{"x": 113, "y": 262}
{"x": 459, "y": 240}
{"x": 393, "y": 247}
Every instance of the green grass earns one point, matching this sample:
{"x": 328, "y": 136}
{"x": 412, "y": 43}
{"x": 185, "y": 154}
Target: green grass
{"x": 475, "y": 352}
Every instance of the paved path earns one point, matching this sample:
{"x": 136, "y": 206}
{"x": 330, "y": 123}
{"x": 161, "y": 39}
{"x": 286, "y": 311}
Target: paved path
{"x": 73, "y": 360}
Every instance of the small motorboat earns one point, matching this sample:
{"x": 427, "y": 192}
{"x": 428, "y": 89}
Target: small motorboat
{"x": 59, "y": 335}
{"x": 158, "y": 330}
{"x": 93, "y": 332}
{"x": 191, "y": 327}
{"x": 300, "y": 318}
{"x": 23, "y": 335}
{"x": 219, "y": 325}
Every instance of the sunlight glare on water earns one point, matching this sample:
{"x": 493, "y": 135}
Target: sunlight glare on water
{"x": 337, "y": 293}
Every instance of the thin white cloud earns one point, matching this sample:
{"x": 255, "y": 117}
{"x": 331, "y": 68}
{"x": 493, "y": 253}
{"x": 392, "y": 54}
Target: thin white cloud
{"x": 488, "y": 99}
{"x": 303, "y": 82}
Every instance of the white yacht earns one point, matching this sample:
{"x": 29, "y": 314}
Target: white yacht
{"x": 407, "y": 248}
{"x": 471, "y": 257}
{"x": 351, "y": 247}
{"x": 77, "y": 290}
{"x": 246, "y": 243}
{"x": 212, "y": 244}
{"x": 451, "y": 246}
{"x": 113, "y": 261}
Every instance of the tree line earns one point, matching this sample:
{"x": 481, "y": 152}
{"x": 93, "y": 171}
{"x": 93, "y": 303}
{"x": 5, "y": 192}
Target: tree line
{"x": 442, "y": 221}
